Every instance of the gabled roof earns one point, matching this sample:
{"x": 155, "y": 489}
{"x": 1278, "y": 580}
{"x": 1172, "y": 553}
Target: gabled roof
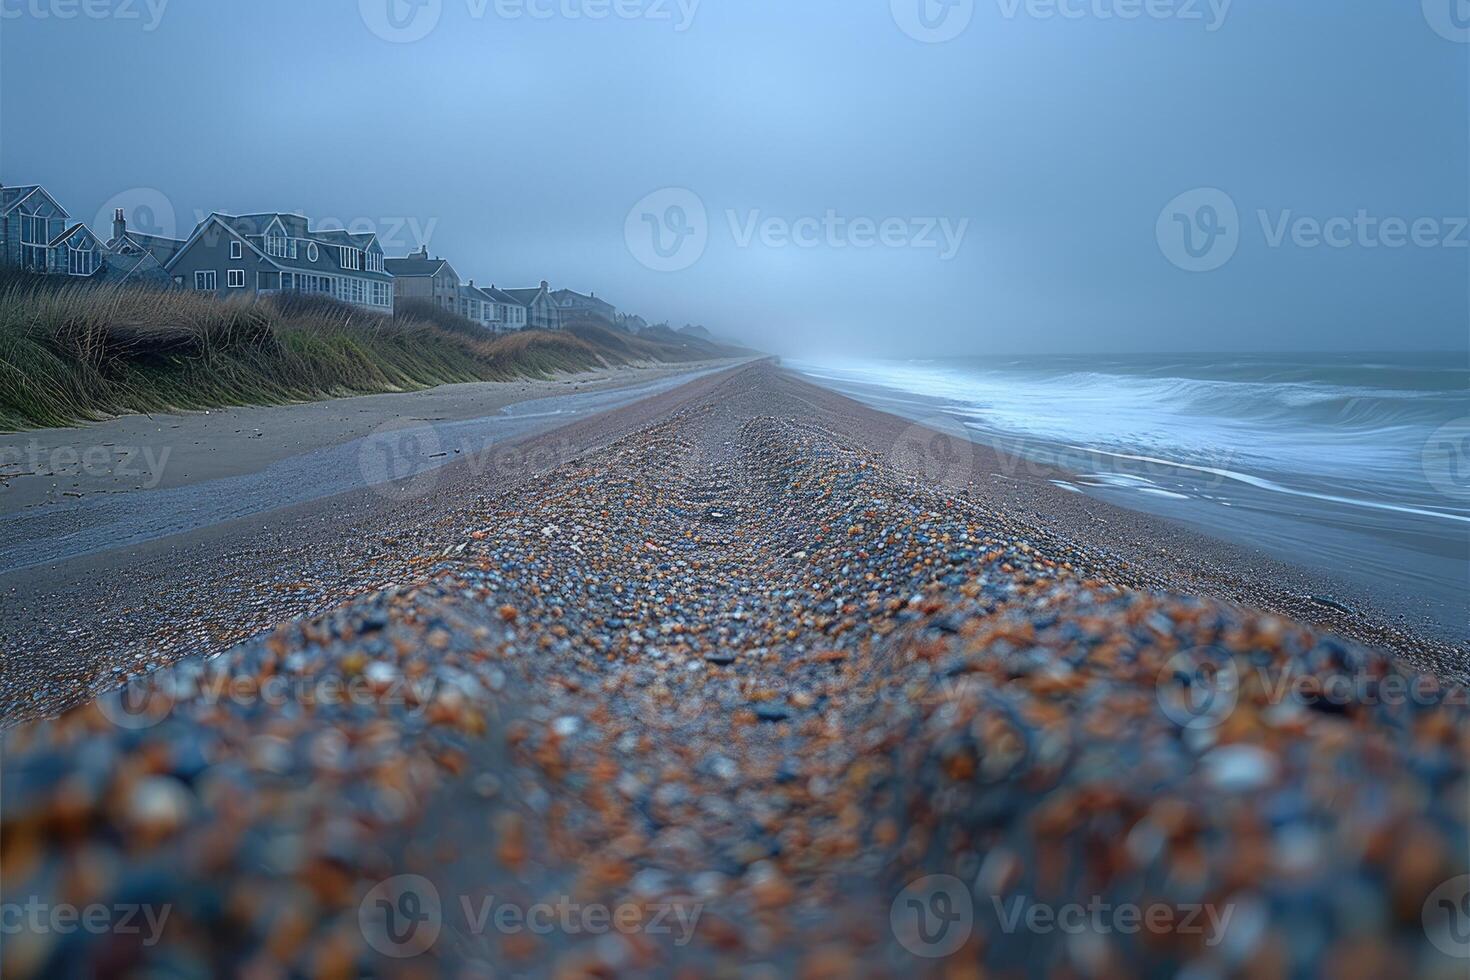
{"x": 414, "y": 267}
{"x": 72, "y": 231}
{"x": 501, "y": 296}
{"x": 341, "y": 237}
{"x": 254, "y": 226}
{"x": 162, "y": 249}
{"x": 525, "y": 297}
{"x": 11, "y": 198}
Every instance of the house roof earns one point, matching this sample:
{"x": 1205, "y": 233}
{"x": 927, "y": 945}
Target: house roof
{"x": 415, "y": 267}
{"x": 525, "y": 297}
{"x": 11, "y": 197}
{"x": 500, "y": 296}
{"x": 72, "y": 231}
{"x": 248, "y": 226}
{"x": 162, "y": 249}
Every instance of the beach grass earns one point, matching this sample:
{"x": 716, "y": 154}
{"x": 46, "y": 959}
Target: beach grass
{"x": 75, "y": 352}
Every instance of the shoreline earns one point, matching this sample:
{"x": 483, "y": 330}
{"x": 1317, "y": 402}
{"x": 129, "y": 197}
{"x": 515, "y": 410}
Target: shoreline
{"x": 99, "y": 617}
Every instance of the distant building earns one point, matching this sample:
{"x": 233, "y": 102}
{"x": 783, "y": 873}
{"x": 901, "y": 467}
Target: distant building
{"x": 419, "y": 277}
{"x": 575, "y": 306}
{"x": 632, "y": 322}
{"x": 274, "y": 252}
{"x": 38, "y": 235}
{"x": 506, "y": 312}
{"x": 137, "y": 258}
{"x": 541, "y": 310}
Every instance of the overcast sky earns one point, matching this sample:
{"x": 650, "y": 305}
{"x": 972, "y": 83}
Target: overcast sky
{"x": 877, "y": 176}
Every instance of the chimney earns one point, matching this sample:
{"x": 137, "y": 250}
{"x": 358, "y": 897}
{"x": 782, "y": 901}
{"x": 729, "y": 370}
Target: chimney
{"x": 422, "y": 253}
{"x": 119, "y": 224}
{"x": 545, "y": 284}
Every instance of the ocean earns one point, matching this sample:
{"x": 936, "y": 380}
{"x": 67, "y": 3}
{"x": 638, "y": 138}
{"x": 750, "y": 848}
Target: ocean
{"x": 1354, "y": 465}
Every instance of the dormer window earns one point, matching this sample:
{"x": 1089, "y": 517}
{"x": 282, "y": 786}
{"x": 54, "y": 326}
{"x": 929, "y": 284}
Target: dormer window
{"x": 277, "y": 244}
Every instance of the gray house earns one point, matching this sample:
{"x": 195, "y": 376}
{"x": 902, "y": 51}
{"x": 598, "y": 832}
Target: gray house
{"x": 38, "y": 235}
{"x": 542, "y": 312}
{"x": 575, "y": 306}
{"x": 137, "y": 258}
{"x": 420, "y": 277}
{"x": 506, "y": 313}
{"x": 262, "y": 254}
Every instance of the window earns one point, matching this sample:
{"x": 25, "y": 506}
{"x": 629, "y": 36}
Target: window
{"x": 277, "y": 244}
{"x": 288, "y": 280}
{"x": 237, "y": 250}
{"x": 311, "y": 252}
{"x": 206, "y": 279}
{"x": 81, "y": 261}
{"x": 236, "y": 279}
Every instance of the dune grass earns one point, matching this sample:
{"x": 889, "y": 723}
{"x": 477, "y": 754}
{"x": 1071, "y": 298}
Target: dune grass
{"x": 77, "y": 352}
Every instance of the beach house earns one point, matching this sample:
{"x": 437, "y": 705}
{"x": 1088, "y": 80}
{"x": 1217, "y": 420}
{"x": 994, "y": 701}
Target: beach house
{"x": 38, "y": 235}
{"x": 542, "y": 312}
{"x": 276, "y": 252}
{"x": 575, "y": 306}
{"x": 419, "y": 277}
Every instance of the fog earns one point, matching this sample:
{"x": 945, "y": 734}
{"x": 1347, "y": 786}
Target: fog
{"x": 864, "y": 176}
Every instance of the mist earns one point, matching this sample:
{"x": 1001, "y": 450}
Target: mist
{"x": 809, "y": 178}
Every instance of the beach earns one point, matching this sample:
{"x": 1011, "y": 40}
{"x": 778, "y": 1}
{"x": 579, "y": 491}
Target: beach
{"x": 773, "y": 680}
